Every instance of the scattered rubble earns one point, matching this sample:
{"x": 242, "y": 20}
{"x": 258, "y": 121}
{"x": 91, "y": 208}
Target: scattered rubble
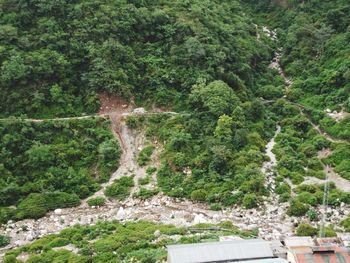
{"x": 338, "y": 116}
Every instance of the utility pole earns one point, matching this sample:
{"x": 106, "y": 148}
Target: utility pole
{"x": 325, "y": 204}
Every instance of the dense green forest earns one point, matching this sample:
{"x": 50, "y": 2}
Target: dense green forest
{"x": 315, "y": 38}
{"x": 56, "y": 56}
{"x": 201, "y": 57}
{"x": 51, "y": 164}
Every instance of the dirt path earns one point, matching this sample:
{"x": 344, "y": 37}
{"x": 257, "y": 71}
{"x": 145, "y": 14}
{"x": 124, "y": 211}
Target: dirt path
{"x": 317, "y": 127}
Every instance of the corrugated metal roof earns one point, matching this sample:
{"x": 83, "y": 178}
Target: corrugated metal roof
{"x": 340, "y": 255}
{"x": 220, "y": 251}
{"x": 268, "y": 260}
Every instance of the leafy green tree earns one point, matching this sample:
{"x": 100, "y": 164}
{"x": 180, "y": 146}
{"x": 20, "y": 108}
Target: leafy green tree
{"x": 223, "y": 131}
{"x": 217, "y": 97}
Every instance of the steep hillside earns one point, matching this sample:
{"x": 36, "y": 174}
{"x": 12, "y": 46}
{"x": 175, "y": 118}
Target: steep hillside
{"x": 55, "y": 56}
{"x": 245, "y": 117}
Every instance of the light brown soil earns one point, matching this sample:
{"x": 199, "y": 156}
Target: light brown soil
{"x": 111, "y": 103}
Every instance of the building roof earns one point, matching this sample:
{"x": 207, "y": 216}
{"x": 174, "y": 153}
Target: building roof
{"x": 220, "y": 251}
{"x": 267, "y": 260}
{"x": 299, "y": 242}
{"x": 321, "y": 255}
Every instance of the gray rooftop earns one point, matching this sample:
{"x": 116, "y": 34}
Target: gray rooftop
{"x": 267, "y": 260}
{"x": 220, "y": 251}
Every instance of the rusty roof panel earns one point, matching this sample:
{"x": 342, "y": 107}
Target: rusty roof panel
{"x": 340, "y": 255}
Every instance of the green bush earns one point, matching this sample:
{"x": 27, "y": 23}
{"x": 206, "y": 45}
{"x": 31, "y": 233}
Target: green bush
{"x": 4, "y": 241}
{"x": 199, "y": 195}
{"x": 97, "y": 201}
{"x": 120, "y": 189}
{"x": 330, "y": 232}
{"x": 284, "y": 197}
{"x": 6, "y": 214}
{"x": 297, "y": 208}
{"x": 312, "y": 215}
{"x": 144, "y": 193}
{"x": 346, "y": 224}
{"x": 59, "y": 242}
{"x": 63, "y": 160}
{"x": 151, "y": 170}
{"x": 306, "y": 230}
{"x": 307, "y": 198}
{"x": 250, "y": 201}
{"x": 34, "y": 206}
{"x": 131, "y": 121}
{"x": 60, "y": 200}
{"x": 144, "y": 180}
{"x": 215, "y": 207}
{"x": 37, "y": 205}
{"x": 119, "y": 242}
{"x": 283, "y": 189}
{"x": 145, "y": 155}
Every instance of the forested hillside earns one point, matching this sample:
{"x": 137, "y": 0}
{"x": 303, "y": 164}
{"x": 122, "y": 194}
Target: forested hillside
{"x": 315, "y": 38}
{"x": 237, "y": 110}
{"x": 203, "y": 57}
{"x": 47, "y": 165}
{"x": 56, "y": 56}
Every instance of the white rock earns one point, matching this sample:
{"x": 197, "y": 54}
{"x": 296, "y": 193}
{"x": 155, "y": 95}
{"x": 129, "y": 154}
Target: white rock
{"x": 121, "y": 214}
{"x": 157, "y": 233}
{"x": 29, "y": 237}
{"x": 139, "y": 111}
{"x": 199, "y": 219}
{"x": 58, "y": 211}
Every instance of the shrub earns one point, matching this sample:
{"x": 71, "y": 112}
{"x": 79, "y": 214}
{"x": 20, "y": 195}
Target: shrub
{"x": 60, "y": 200}
{"x": 330, "y": 232}
{"x": 146, "y": 193}
{"x": 250, "y": 201}
{"x": 215, "y": 207}
{"x": 37, "y": 205}
{"x": 312, "y": 215}
{"x": 307, "y": 198}
{"x": 97, "y": 201}
{"x": 4, "y": 241}
{"x": 151, "y": 170}
{"x": 131, "y": 121}
{"x": 346, "y": 224}
{"x": 297, "y": 208}
{"x": 120, "y": 189}
{"x": 283, "y": 188}
{"x": 59, "y": 242}
{"x": 6, "y": 214}
{"x": 199, "y": 195}
{"x": 144, "y": 180}
{"x": 145, "y": 155}
{"x": 284, "y": 197}
{"x": 34, "y": 206}
{"x": 306, "y": 230}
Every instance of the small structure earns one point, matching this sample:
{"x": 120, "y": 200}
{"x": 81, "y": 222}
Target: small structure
{"x": 248, "y": 251}
{"x": 321, "y": 250}
{"x": 292, "y": 242}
